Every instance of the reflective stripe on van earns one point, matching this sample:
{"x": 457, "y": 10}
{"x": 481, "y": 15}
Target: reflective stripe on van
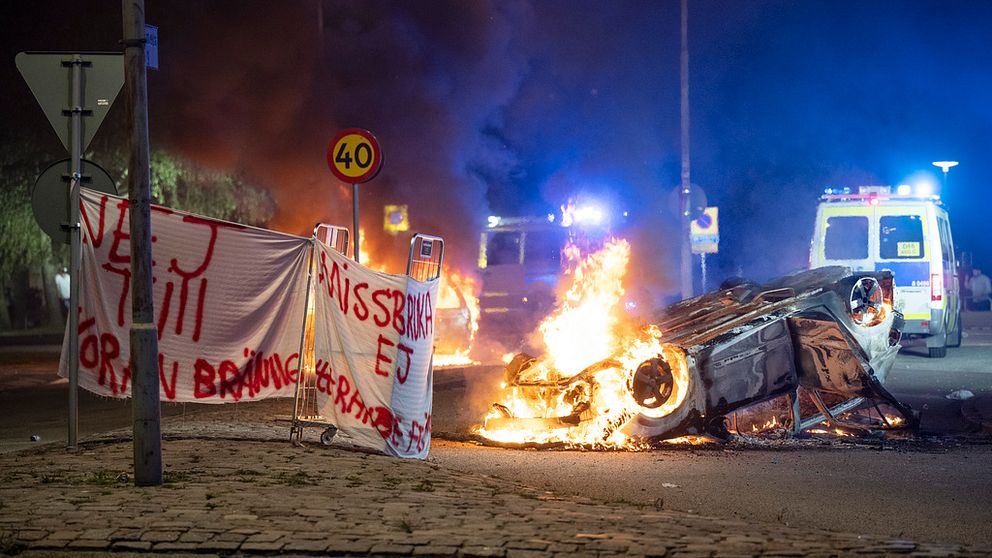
{"x": 912, "y": 287}
{"x": 908, "y": 274}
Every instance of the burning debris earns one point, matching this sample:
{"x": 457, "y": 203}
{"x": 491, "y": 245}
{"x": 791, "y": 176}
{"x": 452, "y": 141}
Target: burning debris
{"x": 602, "y": 383}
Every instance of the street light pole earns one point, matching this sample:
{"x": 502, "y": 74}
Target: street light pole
{"x": 145, "y": 408}
{"x": 686, "y": 252}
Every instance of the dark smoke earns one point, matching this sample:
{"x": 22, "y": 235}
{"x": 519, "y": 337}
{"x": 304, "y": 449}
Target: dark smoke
{"x": 511, "y": 107}
{"x": 429, "y": 79}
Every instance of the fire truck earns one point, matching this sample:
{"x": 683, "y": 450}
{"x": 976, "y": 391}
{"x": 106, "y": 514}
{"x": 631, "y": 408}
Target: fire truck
{"x": 520, "y": 263}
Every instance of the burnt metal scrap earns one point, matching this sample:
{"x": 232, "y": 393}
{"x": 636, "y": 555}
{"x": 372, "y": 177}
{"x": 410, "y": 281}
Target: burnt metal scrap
{"x": 829, "y": 332}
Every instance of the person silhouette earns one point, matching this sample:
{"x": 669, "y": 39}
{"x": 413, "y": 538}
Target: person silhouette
{"x": 62, "y": 284}
{"x": 980, "y": 288}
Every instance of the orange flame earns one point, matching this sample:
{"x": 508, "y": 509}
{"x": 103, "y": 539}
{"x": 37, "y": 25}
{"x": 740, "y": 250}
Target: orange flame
{"x": 458, "y": 293}
{"x": 579, "y": 333}
{"x": 768, "y": 425}
{"x": 363, "y": 253}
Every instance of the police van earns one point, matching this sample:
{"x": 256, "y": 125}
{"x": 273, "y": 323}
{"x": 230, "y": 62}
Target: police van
{"x": 907, "y": 233}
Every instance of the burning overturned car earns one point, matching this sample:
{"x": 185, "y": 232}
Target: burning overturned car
{"x": 829, "y": 332}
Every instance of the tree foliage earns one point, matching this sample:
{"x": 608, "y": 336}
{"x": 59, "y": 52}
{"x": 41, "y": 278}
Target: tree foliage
{"x": 182, "y": 184}
{"x": 175, "y": 183}
{"x": 22, "y": 242}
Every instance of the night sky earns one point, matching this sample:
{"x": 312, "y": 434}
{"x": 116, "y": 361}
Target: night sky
{"x": 510, "y": 107}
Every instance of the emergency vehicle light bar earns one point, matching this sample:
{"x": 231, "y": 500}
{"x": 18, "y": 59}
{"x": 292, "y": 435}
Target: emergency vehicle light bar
{"x": 884, "y": 197}
{"x": 875, "y": 194}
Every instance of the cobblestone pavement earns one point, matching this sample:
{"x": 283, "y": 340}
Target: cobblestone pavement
{"x": 240, "y": 488}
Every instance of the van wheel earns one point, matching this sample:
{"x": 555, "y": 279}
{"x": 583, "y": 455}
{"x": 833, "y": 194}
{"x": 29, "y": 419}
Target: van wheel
{"x": 954, "y": 337}
{"x": 938, "y": 352}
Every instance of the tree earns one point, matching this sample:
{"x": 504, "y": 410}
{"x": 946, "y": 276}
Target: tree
{"x": 23, "y": 245}
{"x": 176, "y": 183}
{"x": 181, "y": 184}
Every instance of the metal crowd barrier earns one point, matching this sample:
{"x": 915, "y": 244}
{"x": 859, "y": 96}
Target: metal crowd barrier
{"x": 423, "y": 264}
{"x": 426, "y": 254}
{"x": 305, "y": 410}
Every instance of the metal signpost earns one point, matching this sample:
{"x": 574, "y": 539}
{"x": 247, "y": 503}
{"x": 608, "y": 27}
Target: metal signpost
{"x": 91, "y": 82}
{"x": 354, "y": 156}
{"x": 704, "y": 235}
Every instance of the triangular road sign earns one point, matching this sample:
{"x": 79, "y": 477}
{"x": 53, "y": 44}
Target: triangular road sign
{"x": 49, "y": 75}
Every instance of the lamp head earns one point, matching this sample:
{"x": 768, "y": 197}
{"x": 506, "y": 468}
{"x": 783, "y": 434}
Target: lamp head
{"x": 945, "y": 165}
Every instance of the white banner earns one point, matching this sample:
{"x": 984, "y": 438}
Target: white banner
{"x": 373, "y": 340}
{"x": 229, "y": 303}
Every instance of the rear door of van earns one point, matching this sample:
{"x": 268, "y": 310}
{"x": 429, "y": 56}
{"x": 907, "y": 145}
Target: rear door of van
{"x": 903, "y": 239}
{"x": 843, "y": 237}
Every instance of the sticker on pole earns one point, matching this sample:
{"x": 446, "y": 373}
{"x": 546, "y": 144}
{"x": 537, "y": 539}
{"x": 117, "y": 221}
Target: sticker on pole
{"x": 354, "y": 156}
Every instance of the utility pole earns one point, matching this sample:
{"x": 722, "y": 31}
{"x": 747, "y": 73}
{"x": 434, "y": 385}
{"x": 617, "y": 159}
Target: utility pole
{"x": 145, "y": 406}
{"x": 686, "y": 257}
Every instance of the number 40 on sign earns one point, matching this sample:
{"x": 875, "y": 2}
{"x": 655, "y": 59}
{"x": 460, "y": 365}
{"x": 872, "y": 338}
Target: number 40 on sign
{"x": 354, "y": 156}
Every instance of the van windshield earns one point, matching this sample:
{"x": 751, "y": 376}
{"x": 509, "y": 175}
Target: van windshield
{"x": 846, "y": 238}
{"x": 900, "y": 237}
{"x": 503, "y": 248}
{"x": 543, "y": 248}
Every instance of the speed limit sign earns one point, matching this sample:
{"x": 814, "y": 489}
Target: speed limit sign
{"x": 354, "y": 156}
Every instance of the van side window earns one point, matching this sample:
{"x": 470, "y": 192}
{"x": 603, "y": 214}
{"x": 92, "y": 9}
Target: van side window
{"x": 900, "y": 237}
{"x": 846, "y": 238}
{"x": 945, "y": 242}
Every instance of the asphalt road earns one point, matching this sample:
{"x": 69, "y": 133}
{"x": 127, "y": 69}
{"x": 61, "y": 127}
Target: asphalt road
{"x": 924, "y": 383}
{"x": 34, "y": 402}
{"x": 932, "y": 489}
{"x": 936, "y": 494}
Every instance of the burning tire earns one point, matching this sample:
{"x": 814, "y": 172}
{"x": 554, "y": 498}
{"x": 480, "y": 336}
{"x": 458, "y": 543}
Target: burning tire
{"x": 652, "y": 383}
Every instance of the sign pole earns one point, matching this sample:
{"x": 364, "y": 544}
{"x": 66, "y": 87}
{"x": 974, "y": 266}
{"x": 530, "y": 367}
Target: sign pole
{"x": 75, "y": 248}
{"x": 145, "y": 403}
{"x": 354, "y": 209}
{"x": 702, "y": 270}
{"x": 90, "y": 95}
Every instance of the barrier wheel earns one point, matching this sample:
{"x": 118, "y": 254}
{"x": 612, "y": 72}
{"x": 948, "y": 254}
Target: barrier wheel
{"x": 328, "y": 435}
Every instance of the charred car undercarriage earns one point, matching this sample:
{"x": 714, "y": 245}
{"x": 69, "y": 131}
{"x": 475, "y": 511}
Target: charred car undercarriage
{"x": 829, "y": 332}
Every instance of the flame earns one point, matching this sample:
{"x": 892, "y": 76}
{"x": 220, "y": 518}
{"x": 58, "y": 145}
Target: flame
{"x": 458, "y": 291}
{"x": 363, "y": 253}
{"x": 869, "y": 316}
{"x": 768, "y": 425}
{"x": 839, "y": 432}
{"x": 579, "y": 333}
{"x": 692, "y": 440}
{"x": 894, "y": 420}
